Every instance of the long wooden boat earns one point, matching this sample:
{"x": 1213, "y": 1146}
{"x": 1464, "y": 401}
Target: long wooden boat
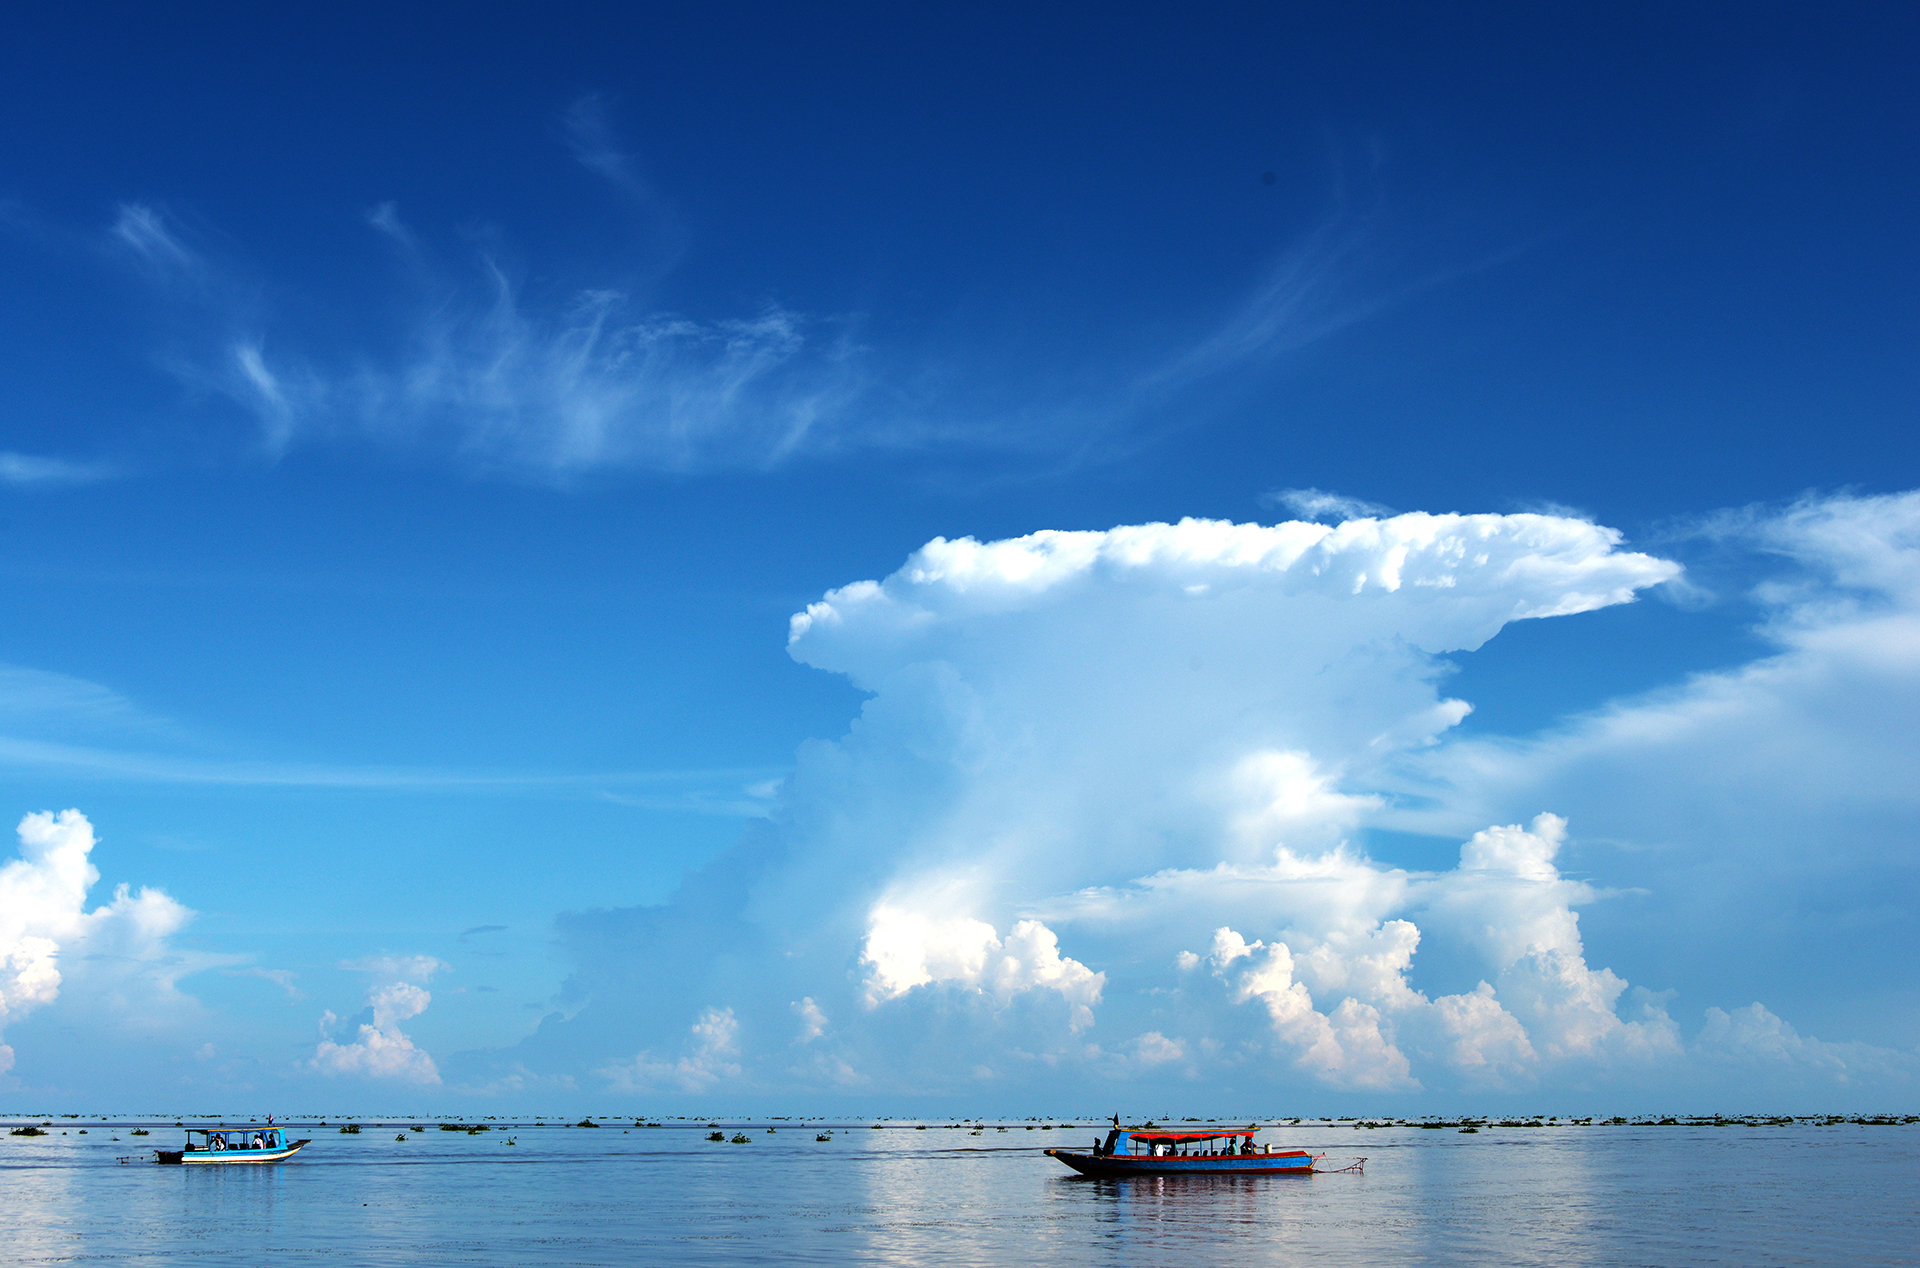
{"x": 1161, "y": 1153}
{"x": 231, "y": 1144}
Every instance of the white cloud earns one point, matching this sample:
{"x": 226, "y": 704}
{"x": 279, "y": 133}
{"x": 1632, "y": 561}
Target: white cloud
{"x": 114, "y": 962}
{"x": 1319, "y": 504}
{"x": 709, "y": 1060}
{"x": 1154, "y": 1049}
{"x": 380, "y": 1049}
{"x": 905, "y": 949}
{"x": 813, "y": 1021}
{"x": 33, "y": 471}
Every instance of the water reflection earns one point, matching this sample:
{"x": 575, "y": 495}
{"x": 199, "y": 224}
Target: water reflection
{"x": 229, "y": 1205}
{"x": 1547, "y": 1196}
{"x": 1149, "y": 1213}
{"x": 37, "y": 1197}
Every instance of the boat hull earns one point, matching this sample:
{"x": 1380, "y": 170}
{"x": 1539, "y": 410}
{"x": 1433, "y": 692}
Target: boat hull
{"x": 224, "y": 1157}
{"x": 1294, "y": 1163}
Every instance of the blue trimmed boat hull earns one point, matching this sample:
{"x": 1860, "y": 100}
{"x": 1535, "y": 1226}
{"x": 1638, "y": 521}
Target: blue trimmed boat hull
{"x": 225, "y": 1157}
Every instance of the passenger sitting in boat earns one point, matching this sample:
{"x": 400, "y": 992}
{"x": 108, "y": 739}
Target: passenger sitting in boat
{"x": 257, "y": 1142}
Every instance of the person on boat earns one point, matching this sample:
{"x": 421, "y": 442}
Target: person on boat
{"x": 258, "y": 1143}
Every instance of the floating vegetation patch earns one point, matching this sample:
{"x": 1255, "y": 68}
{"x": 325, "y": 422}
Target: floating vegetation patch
{"x": 586, "y": 1122}
{"x": 741, "y": 1138}
{"x": 716, "y": 1135}
{"x": 140, "y": 1131}
{"x": 26, "y": 1131}
{"x": 351, "y": 1129}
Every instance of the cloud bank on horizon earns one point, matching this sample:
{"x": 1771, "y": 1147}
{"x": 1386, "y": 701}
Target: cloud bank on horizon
{"x": 1101, "y": 823}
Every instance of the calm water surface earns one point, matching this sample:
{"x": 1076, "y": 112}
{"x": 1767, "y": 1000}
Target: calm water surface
{"x": 561, "y": 1195}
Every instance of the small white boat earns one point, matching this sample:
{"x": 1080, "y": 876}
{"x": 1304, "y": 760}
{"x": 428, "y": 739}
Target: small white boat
{"x": 231, "y": 1144}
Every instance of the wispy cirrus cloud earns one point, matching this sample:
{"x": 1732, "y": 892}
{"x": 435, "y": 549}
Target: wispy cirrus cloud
{"x": 28, "y": 471}
{"x": 144, "y": 231}
{"x": 514, "y": 374}
{"x": 1322, "y": 283}
{"x": 1319, "y": 504}
{"x": 52, "y": 723}
{"x": 726, "y": 792}
{"x": 593, "y": 383}
{"x": 282, "y": 978}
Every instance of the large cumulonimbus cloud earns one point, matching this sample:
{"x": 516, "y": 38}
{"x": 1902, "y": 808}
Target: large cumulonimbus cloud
{"x": 1098, "y": 818}
{"x": 1160, "y": 737}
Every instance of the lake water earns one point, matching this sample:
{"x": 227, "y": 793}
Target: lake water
{"x": 566, "y": 1195}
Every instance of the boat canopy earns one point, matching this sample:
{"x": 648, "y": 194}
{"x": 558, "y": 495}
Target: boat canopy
{"x": 1181, "y": 1138}
{"x": 222, "y": 1138}
{"x": 243, "y": 1127}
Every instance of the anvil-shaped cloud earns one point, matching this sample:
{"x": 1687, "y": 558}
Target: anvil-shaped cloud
{"x": 1095, "y": 820}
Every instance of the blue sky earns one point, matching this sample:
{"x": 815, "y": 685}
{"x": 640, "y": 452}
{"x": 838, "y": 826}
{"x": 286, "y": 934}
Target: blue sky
{"x": 417, "y": 440}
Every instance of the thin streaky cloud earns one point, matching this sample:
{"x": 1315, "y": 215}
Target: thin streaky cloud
{"x": 144, "y": 231}
{"x": 593, "y": 144}
{"x": 282, "y": 978}
{"x": 153, "y": 768}
{"x": 39, "y": 698}
{"x": 20, "y": 470}
{"x": 386, "y": 218}
{"x": 1311, "y": 292}
{"x": 1319, "y": 504}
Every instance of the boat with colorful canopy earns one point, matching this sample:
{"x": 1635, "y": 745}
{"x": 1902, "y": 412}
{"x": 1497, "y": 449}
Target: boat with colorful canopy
{"x": 1211, "y": 1151}
{"x": 231, "y": 1144}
